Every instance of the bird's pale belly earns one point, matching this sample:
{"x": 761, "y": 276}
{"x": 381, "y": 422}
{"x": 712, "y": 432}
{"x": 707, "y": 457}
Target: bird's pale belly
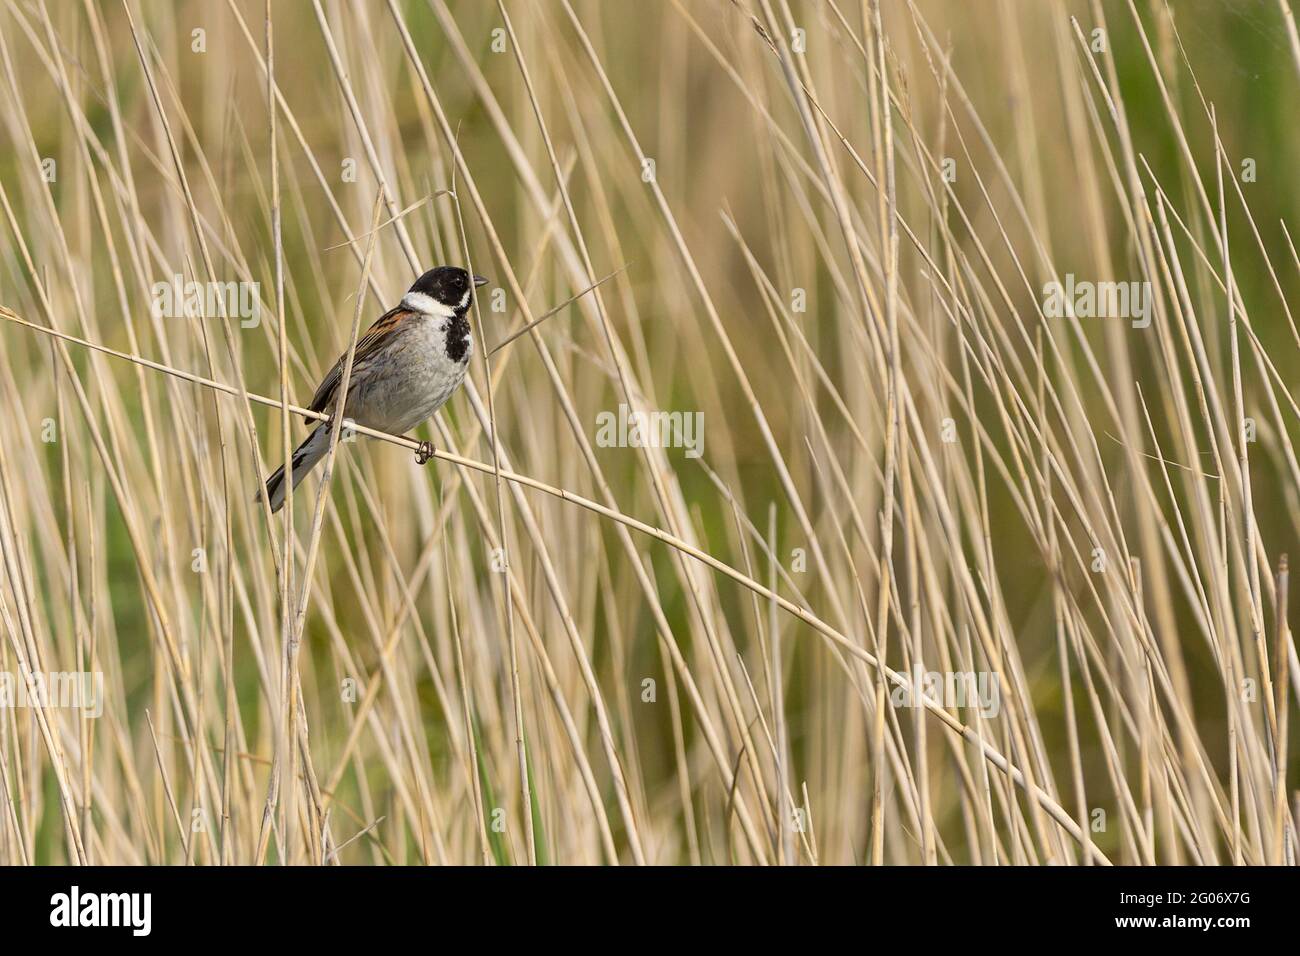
{"x": 418, "y": 381}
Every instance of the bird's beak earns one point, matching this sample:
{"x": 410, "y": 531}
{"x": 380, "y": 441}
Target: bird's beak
{"x": 479, "y": 280}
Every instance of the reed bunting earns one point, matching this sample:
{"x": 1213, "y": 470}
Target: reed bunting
{"x": 406, "y": 367}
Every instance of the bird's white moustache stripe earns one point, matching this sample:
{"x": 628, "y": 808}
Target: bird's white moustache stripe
{"x": 427, "y": 304}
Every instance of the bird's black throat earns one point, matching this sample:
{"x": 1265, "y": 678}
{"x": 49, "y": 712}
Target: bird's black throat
{"x": 458, "y": 337}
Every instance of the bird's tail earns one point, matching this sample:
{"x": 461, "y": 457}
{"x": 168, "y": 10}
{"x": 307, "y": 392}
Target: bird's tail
{"x": 305, "y": 458}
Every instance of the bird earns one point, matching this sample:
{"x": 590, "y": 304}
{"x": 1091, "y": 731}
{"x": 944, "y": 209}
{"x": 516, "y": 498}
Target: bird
{"x": 406, "y": 367}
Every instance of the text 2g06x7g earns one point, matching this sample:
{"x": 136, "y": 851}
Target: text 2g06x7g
{"x": 1213, "y": 897}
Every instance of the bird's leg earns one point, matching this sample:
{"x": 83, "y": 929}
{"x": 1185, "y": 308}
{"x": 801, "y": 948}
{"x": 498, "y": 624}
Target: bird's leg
{"x": 424, "y": 452}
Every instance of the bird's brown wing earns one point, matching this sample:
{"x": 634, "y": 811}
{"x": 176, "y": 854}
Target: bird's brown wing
{"x": 382, "y": 331}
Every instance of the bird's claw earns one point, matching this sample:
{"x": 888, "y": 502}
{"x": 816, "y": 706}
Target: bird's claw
{"x": 423, "y": 452}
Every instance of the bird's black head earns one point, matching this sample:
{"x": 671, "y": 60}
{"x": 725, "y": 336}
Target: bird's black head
{"x": 448, "y": 286}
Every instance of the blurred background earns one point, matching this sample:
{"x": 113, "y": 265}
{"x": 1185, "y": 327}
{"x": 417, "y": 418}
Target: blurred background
{"x": 952, "y": 580}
